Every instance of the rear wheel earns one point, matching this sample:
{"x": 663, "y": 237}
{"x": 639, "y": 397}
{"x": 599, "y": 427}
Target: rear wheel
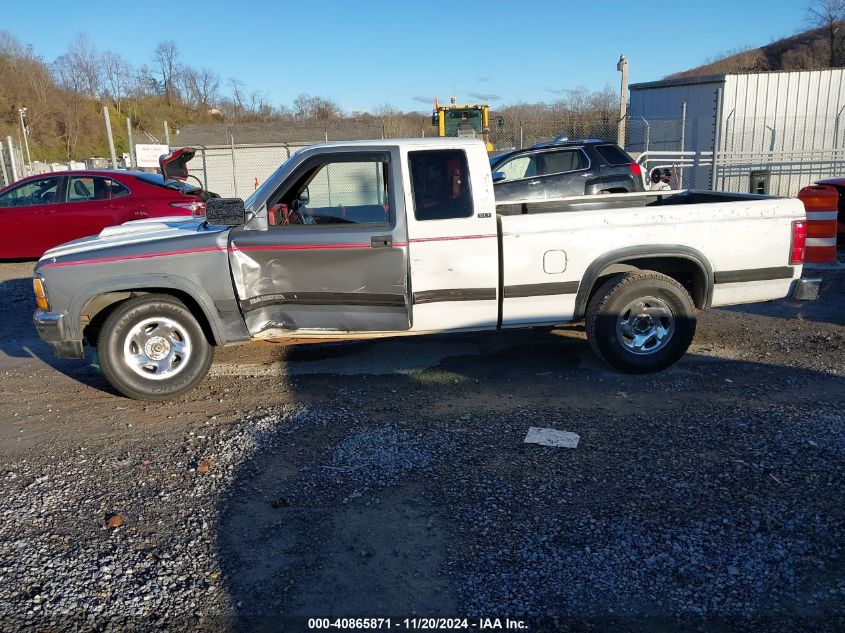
{"x": 641, "y": 321}
{"x": 152, "y": 348}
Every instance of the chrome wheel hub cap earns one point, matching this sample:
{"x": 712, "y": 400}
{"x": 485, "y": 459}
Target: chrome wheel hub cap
{"x": 157, "y": 348}
{"x": 645, "y": 325}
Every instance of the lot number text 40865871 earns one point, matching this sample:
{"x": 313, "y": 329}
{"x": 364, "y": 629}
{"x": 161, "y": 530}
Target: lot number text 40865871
{"x": 430, "y": 624}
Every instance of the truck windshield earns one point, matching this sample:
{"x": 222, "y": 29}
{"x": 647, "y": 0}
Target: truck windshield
{"x": 462, "y": 122}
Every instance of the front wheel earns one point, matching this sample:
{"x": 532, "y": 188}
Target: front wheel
{"x": 152, "y": 348}
{"x": 641, "y": 322}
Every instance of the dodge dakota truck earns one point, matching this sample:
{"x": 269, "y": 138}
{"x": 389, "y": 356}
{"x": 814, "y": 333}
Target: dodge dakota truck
{"x": 401, "y": 237}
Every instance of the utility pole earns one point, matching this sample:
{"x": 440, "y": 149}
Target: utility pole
{"x": 109, "y": 136}
{"x": 622, "y": 67}
{"x": 22, "y": 112}
{"x": 166, "y": 134}
{"x": 133, "y": 162}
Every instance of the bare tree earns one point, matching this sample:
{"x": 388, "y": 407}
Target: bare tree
{"x": 237, "y": 87}
{"x": 118, "y": 74}
{"x": 79, "y": 68}
{"x": 166, "y": 58}
{"x": 145, "y": 82}
{"x": 828, "y": 15}
{"x": 307, "y": 107}
{"x": 200, "y": 86}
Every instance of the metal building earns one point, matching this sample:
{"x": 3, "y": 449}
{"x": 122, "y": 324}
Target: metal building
{"x": 771, "y": 132}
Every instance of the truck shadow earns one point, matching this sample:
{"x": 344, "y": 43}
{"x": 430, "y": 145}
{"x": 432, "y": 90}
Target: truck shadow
{"x": 414, "y": 495}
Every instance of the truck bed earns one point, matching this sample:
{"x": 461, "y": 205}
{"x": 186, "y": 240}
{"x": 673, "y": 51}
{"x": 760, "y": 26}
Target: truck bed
{"x": 622, "y": 200}
{"x": 744, "y": 240}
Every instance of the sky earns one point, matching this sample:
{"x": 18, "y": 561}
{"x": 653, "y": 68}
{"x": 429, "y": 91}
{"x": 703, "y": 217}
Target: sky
{"x": 366, "y": 54}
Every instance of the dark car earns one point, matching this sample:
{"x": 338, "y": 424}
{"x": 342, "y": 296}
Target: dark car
{"x": 39, "y": 212}
{"x": 839, "y": 183}
{"x": 563, "y": 168}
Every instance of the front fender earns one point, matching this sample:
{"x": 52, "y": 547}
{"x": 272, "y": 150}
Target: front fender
{"x": 223, "y": 315}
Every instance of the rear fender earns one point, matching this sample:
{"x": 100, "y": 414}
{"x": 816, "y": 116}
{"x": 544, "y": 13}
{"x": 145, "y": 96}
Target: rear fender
{"x": 591, "y": 275}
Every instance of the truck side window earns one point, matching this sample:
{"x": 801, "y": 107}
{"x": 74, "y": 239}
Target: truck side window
{"x": 342, "y": 192}
{"x": 440, "y": 181}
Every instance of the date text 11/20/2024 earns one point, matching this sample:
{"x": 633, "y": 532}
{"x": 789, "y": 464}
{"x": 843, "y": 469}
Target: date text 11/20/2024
{"x": 430, "y": 624}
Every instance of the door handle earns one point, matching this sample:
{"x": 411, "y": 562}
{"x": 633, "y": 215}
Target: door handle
{"x": 532, "y": 183}
{"x": 381, "y": 241}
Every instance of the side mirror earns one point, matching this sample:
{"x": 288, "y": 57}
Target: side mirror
{"x": 498, "y": 176}
{"x": 225, "y": 211}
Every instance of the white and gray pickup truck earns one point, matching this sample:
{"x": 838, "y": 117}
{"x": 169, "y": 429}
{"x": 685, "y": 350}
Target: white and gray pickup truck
{"x": 400, "y": 237}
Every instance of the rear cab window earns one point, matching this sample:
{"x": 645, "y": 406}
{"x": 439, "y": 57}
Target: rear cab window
{"x": 440, "y": 184}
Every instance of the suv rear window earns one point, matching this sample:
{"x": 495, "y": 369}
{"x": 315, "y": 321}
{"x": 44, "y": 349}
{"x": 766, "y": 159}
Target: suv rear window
{"x": 613, "y": 155}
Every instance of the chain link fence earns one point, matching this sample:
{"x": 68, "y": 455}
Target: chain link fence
{"x": 775, "y": 155}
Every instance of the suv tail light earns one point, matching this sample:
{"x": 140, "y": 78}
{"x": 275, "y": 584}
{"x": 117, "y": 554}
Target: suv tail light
{"x": 636, "y": 169}
{"x": 196, "y": 207}
{"x": 799, "y": 243}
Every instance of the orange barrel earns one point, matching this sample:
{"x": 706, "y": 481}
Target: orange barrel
{"x": 822, "y": 204}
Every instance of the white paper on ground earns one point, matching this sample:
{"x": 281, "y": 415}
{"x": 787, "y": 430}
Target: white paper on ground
{"x": 551, "y": 437}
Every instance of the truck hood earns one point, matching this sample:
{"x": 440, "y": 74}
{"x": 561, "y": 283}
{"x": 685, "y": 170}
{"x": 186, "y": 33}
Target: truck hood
{"x": 134, "y": 232}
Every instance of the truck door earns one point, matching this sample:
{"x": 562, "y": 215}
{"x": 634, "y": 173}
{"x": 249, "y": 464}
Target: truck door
{"x": 334, "y": 255}
{"x": 452, "y": 239}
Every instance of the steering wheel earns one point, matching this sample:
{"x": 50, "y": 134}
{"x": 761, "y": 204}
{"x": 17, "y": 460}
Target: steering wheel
{"x": 299, "y": 213}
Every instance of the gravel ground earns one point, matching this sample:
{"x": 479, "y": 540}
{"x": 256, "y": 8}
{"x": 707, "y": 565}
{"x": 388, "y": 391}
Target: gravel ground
{"x": 707, "y": 497}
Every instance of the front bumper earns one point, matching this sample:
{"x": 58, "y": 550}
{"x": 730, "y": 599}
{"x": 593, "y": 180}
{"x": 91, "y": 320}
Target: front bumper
{"x": 806, "y": 289}
{"x": 52, "y": 329}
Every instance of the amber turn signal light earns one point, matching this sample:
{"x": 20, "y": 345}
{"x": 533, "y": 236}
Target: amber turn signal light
{"x": 40, "y": 293}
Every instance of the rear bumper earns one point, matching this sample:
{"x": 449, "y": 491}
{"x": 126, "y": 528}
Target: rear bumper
{"x": 52, "y": 329}
{"x": 806, "y": 289}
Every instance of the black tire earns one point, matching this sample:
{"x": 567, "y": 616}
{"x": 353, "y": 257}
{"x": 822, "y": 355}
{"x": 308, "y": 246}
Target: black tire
{"x": 168, "y": 330}
{"x": 641, "y": 321}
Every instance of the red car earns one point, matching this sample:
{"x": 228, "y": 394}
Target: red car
{"x": 39, "y": 212}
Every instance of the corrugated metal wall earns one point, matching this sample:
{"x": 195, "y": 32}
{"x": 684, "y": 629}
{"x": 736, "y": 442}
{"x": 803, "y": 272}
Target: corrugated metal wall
{"x": 789, "y": 126}
{"x": 771, "y": 119}
{"x": 661, "y": 104}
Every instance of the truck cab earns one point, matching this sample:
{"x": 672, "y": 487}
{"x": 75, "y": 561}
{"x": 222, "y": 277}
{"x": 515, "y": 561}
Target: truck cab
{"x": 401, "y": 237}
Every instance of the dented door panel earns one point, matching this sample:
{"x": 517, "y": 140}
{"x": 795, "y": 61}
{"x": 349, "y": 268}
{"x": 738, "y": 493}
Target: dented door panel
{"x": 318, "y": 282}
{"x": 326, "y": 278}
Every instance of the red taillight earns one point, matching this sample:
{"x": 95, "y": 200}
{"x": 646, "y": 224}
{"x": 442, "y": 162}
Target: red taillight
{"x": 196, "y": 207}
{"x": 636, "y": 169}
{"x": 799, "y": 243}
